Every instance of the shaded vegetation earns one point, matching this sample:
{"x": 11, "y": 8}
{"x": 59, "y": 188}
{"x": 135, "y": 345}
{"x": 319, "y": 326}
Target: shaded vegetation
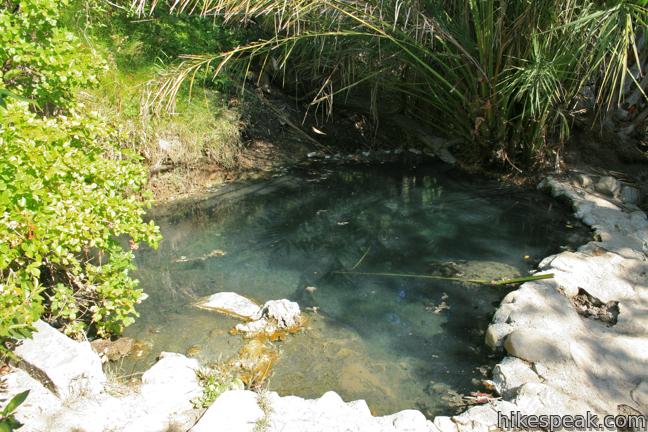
{"x": 201, "y": 129}
{"x": 507, "y": 77}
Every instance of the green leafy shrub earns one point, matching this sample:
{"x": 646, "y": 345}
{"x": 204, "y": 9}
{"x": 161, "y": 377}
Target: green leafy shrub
{"x": 40, "y": 60}
{"x": 62, "y": 207}
{"x": 67, "y": 196}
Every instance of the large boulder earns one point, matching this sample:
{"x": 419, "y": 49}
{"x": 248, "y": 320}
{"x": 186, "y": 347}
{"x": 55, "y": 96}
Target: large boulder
{"x": 231, "y": 304}
{"x": 67, "y": 367}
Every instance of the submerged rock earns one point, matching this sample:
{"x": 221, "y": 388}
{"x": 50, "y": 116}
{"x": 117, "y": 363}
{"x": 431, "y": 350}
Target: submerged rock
{"x": 66, "y": 367}
{"x": 253, "y": 328}
{"x": 488, "y": 270}
{"x": 113, "y": 350}
{"x": 254, "y": 362}
{"x": 232, "y": 304}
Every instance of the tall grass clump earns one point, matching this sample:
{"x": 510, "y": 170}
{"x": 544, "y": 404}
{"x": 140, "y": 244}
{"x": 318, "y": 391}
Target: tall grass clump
{"x": 507, "y": 77}
{"x": 203, "y": 131}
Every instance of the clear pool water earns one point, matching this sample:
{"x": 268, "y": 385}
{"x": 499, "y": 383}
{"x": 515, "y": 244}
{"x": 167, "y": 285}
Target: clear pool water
{"x": 396, "y": 342}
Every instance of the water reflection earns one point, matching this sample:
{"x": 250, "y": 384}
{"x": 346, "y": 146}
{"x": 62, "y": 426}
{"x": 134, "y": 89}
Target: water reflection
{"x": 398, "y": 343}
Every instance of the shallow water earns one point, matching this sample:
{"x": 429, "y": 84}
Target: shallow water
{"x": 388, "y": 340}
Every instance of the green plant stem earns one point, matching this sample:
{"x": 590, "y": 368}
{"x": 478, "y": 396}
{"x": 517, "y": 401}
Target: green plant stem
{"x": 455, "y": 279}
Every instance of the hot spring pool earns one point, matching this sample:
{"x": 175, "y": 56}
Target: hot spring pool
{"x": 396, "y": 342}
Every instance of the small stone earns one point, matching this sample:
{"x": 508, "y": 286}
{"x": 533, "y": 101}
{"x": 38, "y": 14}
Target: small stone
{"x": 608, "y": 186}
{"x": 310, "y": 289}
{"x": 584, "y": 180}
{"x": 496, "y": 333}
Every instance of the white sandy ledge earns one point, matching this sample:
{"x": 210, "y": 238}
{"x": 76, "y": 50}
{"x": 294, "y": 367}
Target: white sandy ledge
{"x": 558, "y": 362}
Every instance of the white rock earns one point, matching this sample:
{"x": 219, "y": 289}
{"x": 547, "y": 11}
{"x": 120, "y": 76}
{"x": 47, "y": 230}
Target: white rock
{"x": 608, "y": 185}
{"x": 538, "y": 398}
{"x": 91, "y": 414}
{"x": 640, "y": 396}
{"x": 166, "y": 393}
{"x": 171, "y": 382}
{"x": 409, "y": 421}
{"x": 445, "y": 424}
{"x": 361, "y": 407}
{"x": 253, "y": 328}
{"x": 285, "y": 312}
{"x": 68, "y": 368}
{"x": 482, "y": 418}
{"x": 331, "y": 413}
{"x": 512, "y": 373}
{"x": 233, "y": 411}
{"x": 536, "y": 346}
{"x": 40, "y": 404}
{"x": 584, "y": 180}
{"x": 496, "y": 333}
{"x": 231, "y": 303}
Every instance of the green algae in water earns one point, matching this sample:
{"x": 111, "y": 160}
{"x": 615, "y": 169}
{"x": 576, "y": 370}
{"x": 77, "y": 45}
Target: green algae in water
{"x": 397, "y": 343}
